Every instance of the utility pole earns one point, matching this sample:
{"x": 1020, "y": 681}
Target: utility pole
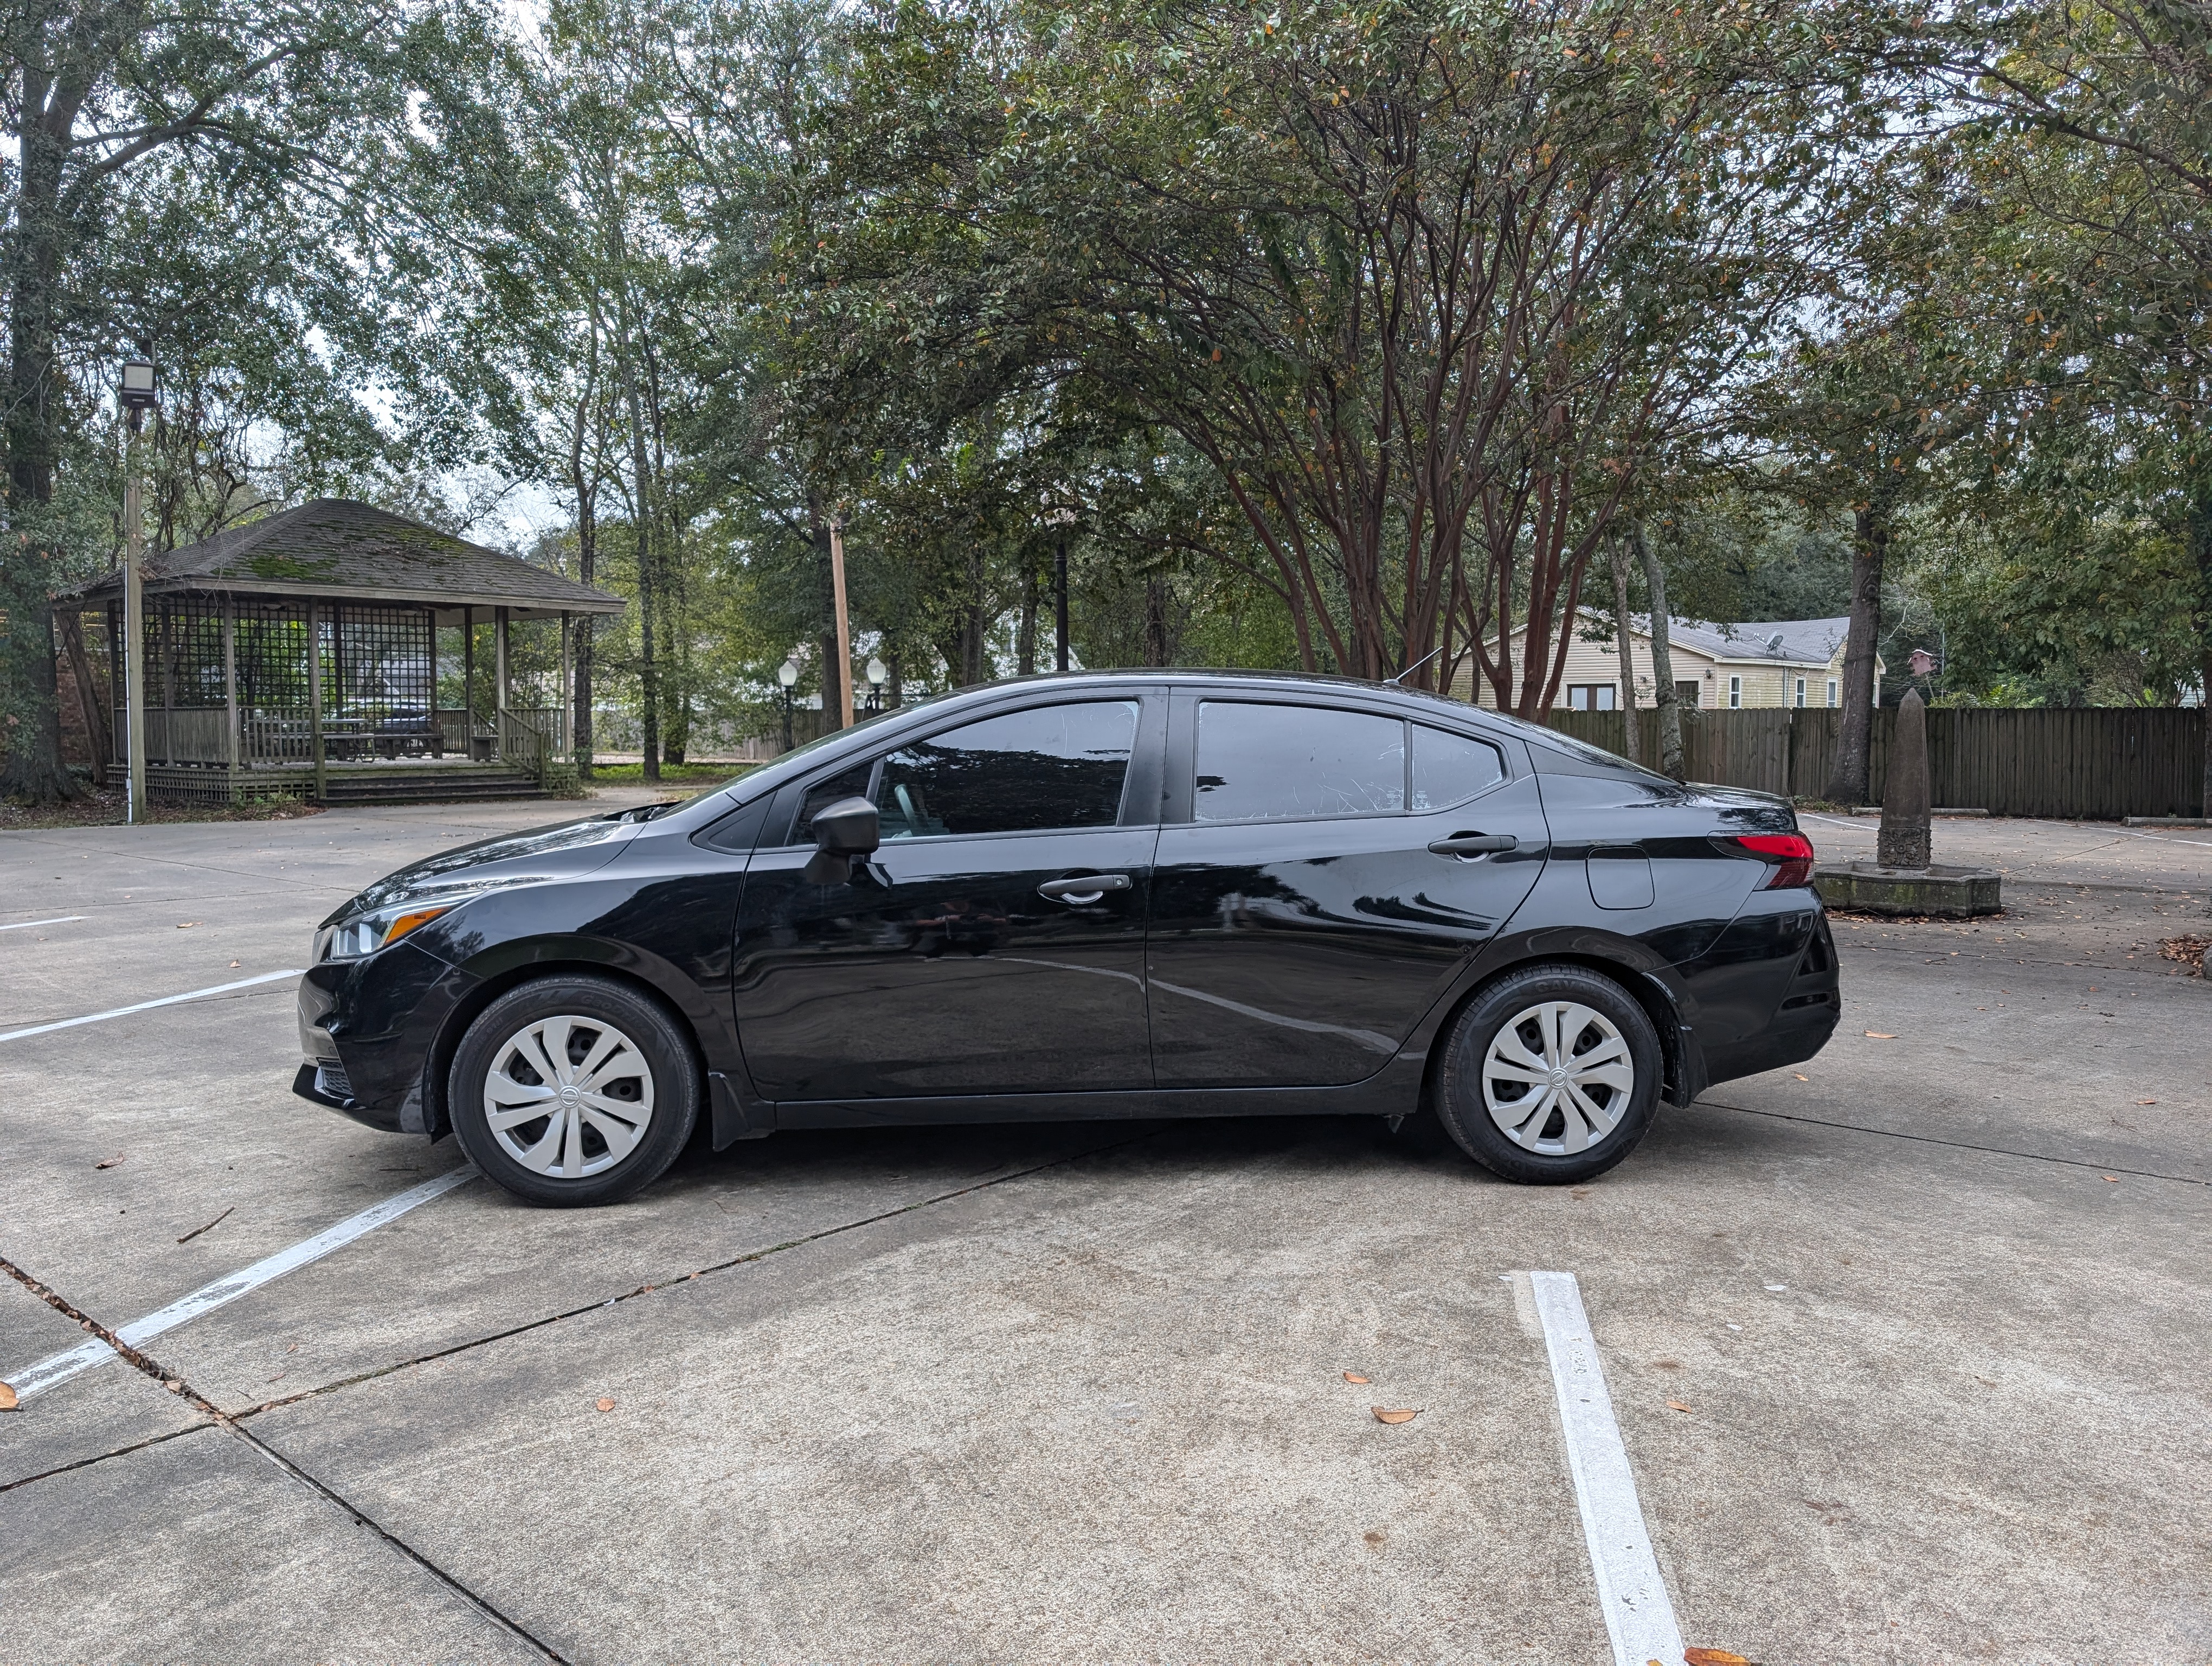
{"x": 844, "y": 623}
{"x": 138, "y": 393}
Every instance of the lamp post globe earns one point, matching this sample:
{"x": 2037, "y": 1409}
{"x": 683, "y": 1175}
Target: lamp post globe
{"x": 787, "y": 675}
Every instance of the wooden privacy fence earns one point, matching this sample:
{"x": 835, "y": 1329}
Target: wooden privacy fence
{"x": 2096, "y": 764}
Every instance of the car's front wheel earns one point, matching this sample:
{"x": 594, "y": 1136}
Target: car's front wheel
{"x": 573, "y": 1090}
{"x": 1551, "y": 1075}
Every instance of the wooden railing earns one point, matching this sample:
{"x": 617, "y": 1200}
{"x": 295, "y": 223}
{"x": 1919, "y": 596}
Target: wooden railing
{"x": 522, "y": 744}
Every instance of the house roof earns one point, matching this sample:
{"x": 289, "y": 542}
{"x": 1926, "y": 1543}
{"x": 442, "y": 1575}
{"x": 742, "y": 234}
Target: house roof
{"x": 1801, "y": 642}
{"x": 338, "y": 549}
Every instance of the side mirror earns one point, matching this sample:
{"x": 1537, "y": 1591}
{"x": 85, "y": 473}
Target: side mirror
{"x": 843, "y": 830}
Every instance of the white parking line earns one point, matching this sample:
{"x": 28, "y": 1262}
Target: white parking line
{"x": 1638, "y": 1616}
{"x": 26, "y": 924}
{"x": 60, "y": 1367}
{"x": 148, "y": 1005}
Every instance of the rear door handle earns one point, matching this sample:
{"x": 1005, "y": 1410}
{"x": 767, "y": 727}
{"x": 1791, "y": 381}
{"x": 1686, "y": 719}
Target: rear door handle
{"x": 1084, "y": 887}
{"x": 1473, "y": 844}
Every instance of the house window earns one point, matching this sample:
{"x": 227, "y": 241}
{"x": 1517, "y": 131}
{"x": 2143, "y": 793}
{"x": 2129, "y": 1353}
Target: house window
{"x": 1592, "y": 697}
{"x": 1801, "y": 691}
{"x": 1685, "y": 694}
{"x": 1736, "y": 693}
{"x": 1832, "y": 693}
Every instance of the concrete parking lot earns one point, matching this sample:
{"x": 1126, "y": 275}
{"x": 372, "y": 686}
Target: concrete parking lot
{"x": 1907, "y": 1347}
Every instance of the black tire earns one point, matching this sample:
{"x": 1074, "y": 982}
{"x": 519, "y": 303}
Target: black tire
{"x": 1556, "y": 1141}
{"x": 645, "y": 1061}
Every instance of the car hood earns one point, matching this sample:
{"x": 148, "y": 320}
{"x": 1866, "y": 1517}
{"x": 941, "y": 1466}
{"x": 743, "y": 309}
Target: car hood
{"x": 561, "y": 851}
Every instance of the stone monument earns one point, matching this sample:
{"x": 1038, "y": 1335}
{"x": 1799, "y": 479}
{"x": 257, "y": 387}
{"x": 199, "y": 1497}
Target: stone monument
{"x": 1902, "y": 879}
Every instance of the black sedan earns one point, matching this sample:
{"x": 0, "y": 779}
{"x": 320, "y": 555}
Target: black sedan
{"x": 1120, "y": 894}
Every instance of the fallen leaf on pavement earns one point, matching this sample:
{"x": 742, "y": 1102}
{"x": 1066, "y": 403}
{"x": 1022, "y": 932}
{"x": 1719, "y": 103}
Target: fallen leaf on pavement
{"x": 606, "y": 1405}
{"x": 1714, "y": 1658}
{"x": 1800, "y": 1078}
{"x": 108, "y": 1162}
{"x": 2114, "y": 1178}
{"x": 186, "y": 925}
{"x": 1880, "y": 1035}
{"x": 1677, "y": 1406}
{"x": 7, "y": 1398}
{"x": 1393, "y": 1414}
{"x": 235, "y": 964}
{"x": 2140, "y": 1102}
{"x": 1353, "y": 1376}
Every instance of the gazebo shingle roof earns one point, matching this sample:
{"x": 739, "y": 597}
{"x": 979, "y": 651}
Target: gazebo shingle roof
{"x": 338, "y": 549}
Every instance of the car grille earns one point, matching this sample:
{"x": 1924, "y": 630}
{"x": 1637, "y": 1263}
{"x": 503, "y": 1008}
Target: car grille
{"x": 331, "y": 1081}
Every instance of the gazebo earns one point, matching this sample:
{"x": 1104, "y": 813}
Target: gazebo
{"x": 299, "y": 655}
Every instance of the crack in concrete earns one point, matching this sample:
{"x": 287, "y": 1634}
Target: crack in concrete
{"x": 1958, "y": 1145}
{"x": 747, "y": 1259}
{"x": 216, "y": 1417}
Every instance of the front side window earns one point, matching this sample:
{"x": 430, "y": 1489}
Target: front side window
{"x": 1832, "y": 691}
{"x": 1735, "y": 692}
{"x": 1047, "y": 767}
{"x": 1801, "y": 691}
{"x": 1259, "y": 763}
{"x": 1590, "y": 697}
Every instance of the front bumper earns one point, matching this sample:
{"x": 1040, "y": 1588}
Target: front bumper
{"x": 369, "y": 1031}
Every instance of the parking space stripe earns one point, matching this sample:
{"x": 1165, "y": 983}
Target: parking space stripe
{"x": 148, "y": 1005}
{"x": 26, "y": 924}
{"x": 60, "y": 1367}
{"x": 1638, "y": 1616}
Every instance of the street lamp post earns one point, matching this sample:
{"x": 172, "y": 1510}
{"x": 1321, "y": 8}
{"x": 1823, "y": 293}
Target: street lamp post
{"x": 138, "y": 393}
{"x": 788, "y": 675}
{"x": 876, "y": 675}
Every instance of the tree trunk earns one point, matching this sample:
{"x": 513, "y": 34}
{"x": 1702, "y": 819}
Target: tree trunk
{"x": 1025, "y": 639}
{"x": 1662, "y": 655}
{"x": 2200, "y": 535}
{"x": 1847, "y": 785}
{"x": 1632, "y": 745}
{"x": 31, "y": 766}
{"x": 1155, "y": 622}
{"x": 33, "y": 769}
{"x": 99, "y": 727}
{"x": 587, "y": 565}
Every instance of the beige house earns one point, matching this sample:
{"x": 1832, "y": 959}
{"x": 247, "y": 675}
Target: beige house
{"x": 1776, "y": 662}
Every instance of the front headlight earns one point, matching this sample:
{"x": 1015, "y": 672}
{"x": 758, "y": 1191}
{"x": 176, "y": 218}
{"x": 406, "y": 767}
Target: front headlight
{"x": 365, "y": 934}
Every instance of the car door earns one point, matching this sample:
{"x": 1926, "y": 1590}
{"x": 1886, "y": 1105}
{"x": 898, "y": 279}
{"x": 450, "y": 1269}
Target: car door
{"x": 994, "y": 945}
{"x": 1302, "y": 923}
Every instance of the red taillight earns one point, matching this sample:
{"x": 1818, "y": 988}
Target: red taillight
{"x": 1790, "y": 853}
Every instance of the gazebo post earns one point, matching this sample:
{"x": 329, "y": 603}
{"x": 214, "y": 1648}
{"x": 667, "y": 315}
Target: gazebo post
{"x": 315, "y": 695}
{"x": 498, "y": 631}
{"x": 168, "y": 682}
{"x": 567, "y": 686}
{"x": 230, "y": 684}
{"x": 437, "y": 728}
{"x": 469, "y": 683}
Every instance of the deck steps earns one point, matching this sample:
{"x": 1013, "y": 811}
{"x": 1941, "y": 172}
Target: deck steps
{"x": 436, "y": 784}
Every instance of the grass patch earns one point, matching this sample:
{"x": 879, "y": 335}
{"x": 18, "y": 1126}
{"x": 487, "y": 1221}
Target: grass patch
{"x": 701, "y": 775}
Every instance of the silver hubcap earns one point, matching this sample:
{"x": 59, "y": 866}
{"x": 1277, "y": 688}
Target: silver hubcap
{"x": 569, "y": 1097}
{"x": 1557, "y": 1079}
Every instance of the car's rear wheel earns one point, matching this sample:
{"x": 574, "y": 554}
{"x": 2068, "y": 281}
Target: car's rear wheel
{"x": 573, "y": 1090}
{"x": 1551, "y": 1075}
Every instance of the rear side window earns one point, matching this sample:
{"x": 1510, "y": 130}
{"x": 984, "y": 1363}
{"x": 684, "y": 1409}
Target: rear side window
{"x": 1449, "y": 769}
{"x": 1260, "y": 762}
{"x": 1049, "y": 767}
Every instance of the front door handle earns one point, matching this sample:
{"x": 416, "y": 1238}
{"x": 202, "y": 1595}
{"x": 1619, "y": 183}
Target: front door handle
{"x": 1084, "y": 887}
{"x": 1473, "y": 845}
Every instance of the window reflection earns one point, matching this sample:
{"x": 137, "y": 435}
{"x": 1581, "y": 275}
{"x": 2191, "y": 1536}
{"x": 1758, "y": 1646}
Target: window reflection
{"x": 1258, "y": 763}
{"x": 1051, "y": 767}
